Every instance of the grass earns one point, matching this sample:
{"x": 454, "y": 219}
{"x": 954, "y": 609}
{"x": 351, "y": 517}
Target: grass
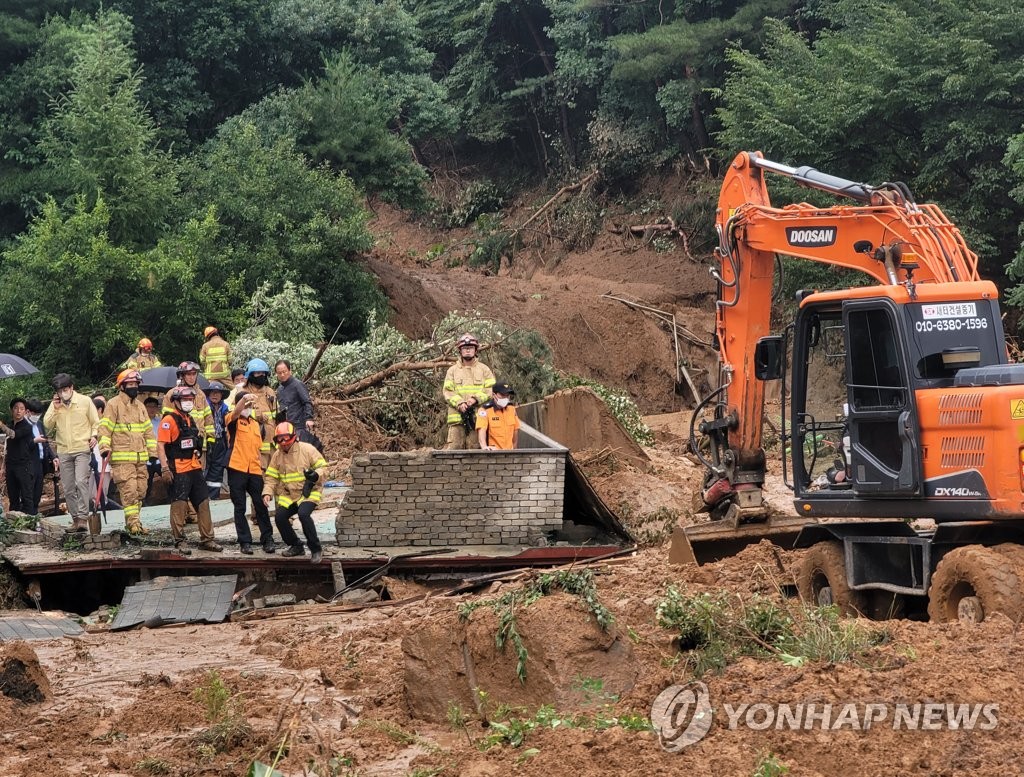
{"x": 151, "y": 765}
{"x": 713, "y": 630}
{"x": 512, "y": 726}
{"x": 228, "y": 726}
{"x": 770, "y": 766}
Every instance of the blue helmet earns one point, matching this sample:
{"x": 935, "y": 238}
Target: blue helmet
{"x": 256, "y": 365}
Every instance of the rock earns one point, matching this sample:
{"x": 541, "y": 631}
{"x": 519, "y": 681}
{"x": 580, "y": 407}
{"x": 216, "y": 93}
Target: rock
{"x": 279, "y": 600}
{"x": 359, "y": 596}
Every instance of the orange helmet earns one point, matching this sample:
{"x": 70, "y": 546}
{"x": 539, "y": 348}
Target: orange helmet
{"x": 284, "y": 434}
{"x": 145, "y": 344}
{"x": 128, "y": 375}
{"x": 210, "y": 331}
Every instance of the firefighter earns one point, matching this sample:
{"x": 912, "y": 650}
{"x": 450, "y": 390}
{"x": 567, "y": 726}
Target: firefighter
{"x": 143, "y": 358}
{"x": 264, "y": 407}
{"x": 188, "y": 375}
{"x": 295, "y": 477}
{"x": 179, "y": 445}
{"x": 127, "y": 441}
{"x": 467, "y": 385}
{"x": 215, "y": 355}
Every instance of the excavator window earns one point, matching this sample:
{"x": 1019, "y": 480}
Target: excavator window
{"x": 876, "y": 379}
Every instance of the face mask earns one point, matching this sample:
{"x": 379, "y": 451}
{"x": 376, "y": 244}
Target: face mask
{"x": 501, "y": 401}
{"x": 65, "y": 394}
{"x": 33, "y": 419}
{"x": 259, "y": 380}
{"x": 187, "y": 406}
{"x": 246, "y": 413}
{"x": 132, "y": 392}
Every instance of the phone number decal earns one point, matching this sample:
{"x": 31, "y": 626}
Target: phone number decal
{"x": 951, "y": 324}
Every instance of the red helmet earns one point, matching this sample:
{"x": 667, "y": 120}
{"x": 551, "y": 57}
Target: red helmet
{"x": 284, "y": 434}
{"x": 182, "y": 393}
{"x": 468, "y": 339}
{"x": 187, "y": 367}
{"x": 128, "y": 375}
{"x": 145, "y": 344}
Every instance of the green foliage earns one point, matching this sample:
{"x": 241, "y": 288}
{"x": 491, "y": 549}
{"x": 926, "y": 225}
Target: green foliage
{"x": 99, "y": 141}
{"x": 228, "y": 726}
{"x": 770, "y": 766}
{"x": 512, "y": 726}
{"x": 714, "y": 629}
{"x": 291, "y": 315}
{"x": 214, "y": 695}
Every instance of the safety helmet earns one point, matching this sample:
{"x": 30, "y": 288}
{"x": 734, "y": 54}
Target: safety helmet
{"x": 187, "y": 367}
{"x": 468, "y": 339}
{"x": 284, "y": 434}
{"x": 145, "y": 344}
{"x": 256, "y": 365}
{"x": 128, "y": 375}
{"x": 182, "y": 393}
{"x": 209, "y": 331}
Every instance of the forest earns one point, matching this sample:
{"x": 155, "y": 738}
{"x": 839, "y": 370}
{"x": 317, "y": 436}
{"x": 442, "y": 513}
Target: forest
{"x": 163, "y": 161}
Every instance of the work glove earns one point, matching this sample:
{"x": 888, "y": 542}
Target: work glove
{"x": 154, "y": 465}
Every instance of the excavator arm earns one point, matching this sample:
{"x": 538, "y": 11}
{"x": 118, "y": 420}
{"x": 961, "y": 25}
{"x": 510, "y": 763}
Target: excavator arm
{"x": 886, "y": 235}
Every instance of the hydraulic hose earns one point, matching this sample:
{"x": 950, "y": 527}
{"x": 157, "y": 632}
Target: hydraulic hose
{"x": 693, "y": 422}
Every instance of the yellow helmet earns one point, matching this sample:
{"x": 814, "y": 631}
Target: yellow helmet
{"x": 209, "y": 332}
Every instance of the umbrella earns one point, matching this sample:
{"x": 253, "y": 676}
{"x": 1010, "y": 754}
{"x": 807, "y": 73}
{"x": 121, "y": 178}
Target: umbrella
{"x": 164, "y": 378}
{"x": 12, "y": 366}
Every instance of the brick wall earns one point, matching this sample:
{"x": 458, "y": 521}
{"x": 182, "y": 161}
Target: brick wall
{"x": 438, "y": 498}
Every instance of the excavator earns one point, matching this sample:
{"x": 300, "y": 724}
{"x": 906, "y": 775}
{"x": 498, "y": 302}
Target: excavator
{"x": 902, "y": 418}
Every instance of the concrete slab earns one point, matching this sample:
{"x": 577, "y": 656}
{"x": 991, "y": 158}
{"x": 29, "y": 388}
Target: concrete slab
{"x": 19, "y": 625}
{"x": 176, "y": 600}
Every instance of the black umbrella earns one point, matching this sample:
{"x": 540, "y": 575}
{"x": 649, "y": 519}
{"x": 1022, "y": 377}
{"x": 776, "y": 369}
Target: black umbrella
{"x": 164, "y": 378}
{"x": 12, "y": 366}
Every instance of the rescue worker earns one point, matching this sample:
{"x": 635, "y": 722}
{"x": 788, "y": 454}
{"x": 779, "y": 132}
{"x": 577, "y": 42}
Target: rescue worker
{"x": 467, "y": 385}
{"x": 217, "y": 456}
{"x": 245, "y": 474}
{"x": 188, "y": 375}
{"x": 264, "y": 408}
{"x": 179, "y": 444}
{"x": 497, "y": 423}
{"x": 215, "y": 355}
{"x": 295, "y": 477}
{"x": 143, "y": 358}
{"x": 127, "y": 441}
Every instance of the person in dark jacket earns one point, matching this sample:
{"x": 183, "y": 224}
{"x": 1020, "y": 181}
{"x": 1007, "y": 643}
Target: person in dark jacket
{"x": 21, "y": 448}
{"x": 42, "y": 462}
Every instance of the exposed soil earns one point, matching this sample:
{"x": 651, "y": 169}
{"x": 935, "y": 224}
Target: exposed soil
{"x": 389, "y": 690}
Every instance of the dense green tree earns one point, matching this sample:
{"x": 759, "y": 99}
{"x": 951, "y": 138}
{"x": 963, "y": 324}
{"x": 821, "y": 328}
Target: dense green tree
{"x": 926, "y": 93}
{"x": 283, "y": 220}
{"x": 100, "y": 142}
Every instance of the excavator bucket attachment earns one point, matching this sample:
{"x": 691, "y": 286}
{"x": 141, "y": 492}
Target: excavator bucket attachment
{"x": 715, "y": 540}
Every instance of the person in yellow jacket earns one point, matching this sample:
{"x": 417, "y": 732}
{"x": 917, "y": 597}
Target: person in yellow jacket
{"x": 295, "y": 478}
{"x": 127, "y": 441}
{"x": 467, "y": 385}
{"x": 143, "y": 358}
{"x": 215, "y": 355}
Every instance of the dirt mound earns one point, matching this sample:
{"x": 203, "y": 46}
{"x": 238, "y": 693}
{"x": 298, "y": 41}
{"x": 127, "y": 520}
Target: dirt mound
{"x": 447, "y": 659}
{"x": 560, "y": 297}
{"x": 21, "y": 677}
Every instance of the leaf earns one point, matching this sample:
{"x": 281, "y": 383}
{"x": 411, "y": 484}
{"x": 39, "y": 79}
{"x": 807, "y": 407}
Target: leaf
{"x": 260, "y": 769}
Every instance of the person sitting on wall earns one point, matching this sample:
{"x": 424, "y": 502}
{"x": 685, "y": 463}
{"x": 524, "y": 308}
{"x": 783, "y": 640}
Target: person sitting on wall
{"x": 497, "y": 424}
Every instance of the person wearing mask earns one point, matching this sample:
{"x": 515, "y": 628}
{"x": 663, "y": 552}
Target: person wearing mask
{"x": 215, "y": 355}
{"x": 21, "y": 449}
{"x": 217, "y": 456}
{"x": 264, "y": 408}
{"x": 143, "y": 358}
{"x": 245, "y": 474}
{"x": 127, "y": 442}
{"x": 293, "y": 400}
{"x": 152, "y": 405}
{"x": 294, "y": 478}
{"x": 153, "y": 468}
{"x": 42, "y": 462}
{"x": 188, "y": 375}
{"x": 71, "y": 422}
{"x": 96, "y": 465}
{"x": 179, "y": 444}
{"x": 497, "y": 424}
{"x": 467, "y": 385}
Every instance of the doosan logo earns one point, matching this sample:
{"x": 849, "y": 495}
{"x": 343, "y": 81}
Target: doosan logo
{"x": 809, "y": 238}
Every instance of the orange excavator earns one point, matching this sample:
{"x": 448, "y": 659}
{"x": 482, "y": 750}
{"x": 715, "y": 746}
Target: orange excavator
{"x": 902, "y": 423}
